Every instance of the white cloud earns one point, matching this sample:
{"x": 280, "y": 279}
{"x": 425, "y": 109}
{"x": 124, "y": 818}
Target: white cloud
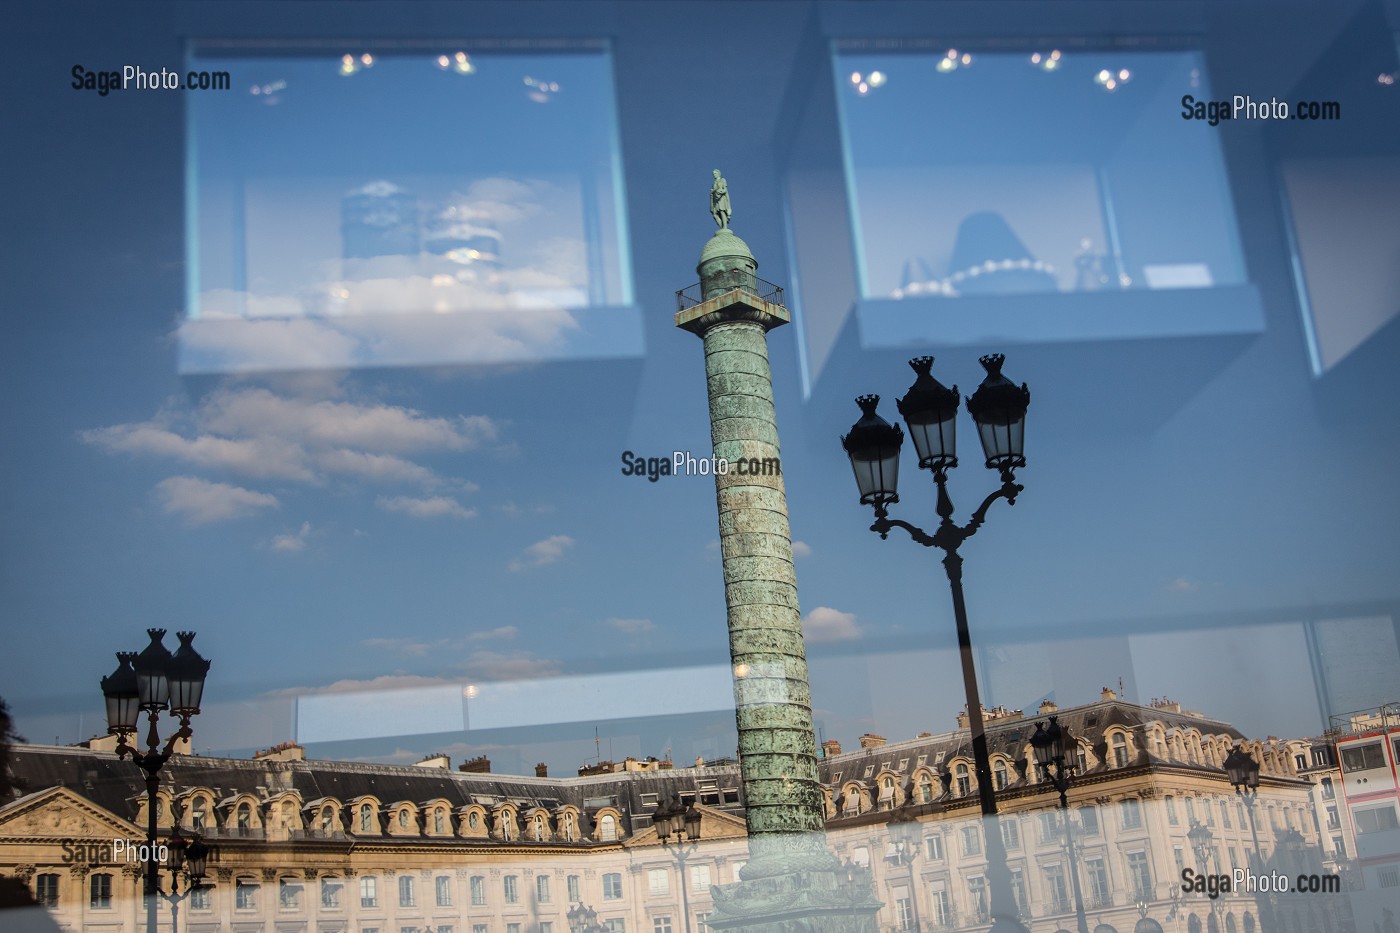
{"x": 500, "y": 631}
{"x": 433, "y": 507}
{"x": 200, "y": 502}
{"x": 258, "y": 457}
{"x": 544, "y": 552}
{"x": 511, "y": 665}
{"x": 826, "y": 624}
{"x": 1182, "y": 585}
{"x": 291, "y": 543}
{"x": 633, "y": 626}
{"x": 383, "y": 682}
{"x": 801, "y": 549}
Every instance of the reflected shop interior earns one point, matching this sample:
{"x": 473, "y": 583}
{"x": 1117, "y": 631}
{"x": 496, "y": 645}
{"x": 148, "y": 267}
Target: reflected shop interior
{"x": 359, "y": 567}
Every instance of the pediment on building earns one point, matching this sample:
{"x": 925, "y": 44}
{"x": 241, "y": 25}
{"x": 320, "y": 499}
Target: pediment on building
{"x": 60, "y": 813}
{"x": 714, "y": 824}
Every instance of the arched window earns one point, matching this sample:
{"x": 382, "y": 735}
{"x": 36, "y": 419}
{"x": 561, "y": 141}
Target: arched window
{"x": 244, "y": 816}
{"x": 1212, "y": 924}
{"x": 327, "y": 815}
{"x": 999, "y": 775}
{"x": 403, "y": 818}
{"x": 887, "y": 793}
{"x": 607, "y": 828}
{"x": 537, "y": 828}
{"x": 1081, "y": 759}
{"x": 474, "y": 820}
{"x": 198, "y": 812}
{"x": 964, "y": 782}
{"x": 288, "y": 815}
{"x": 507, "y": 823}
{"x": 366, "y": 817}
{"x": 1230, "y": 925}
{"x": 1248, "y": 922}
{"x": 925, "y": 788}
{"x": 1193, "y": 924}
{"x": 438, "y": 819}
{"x": 1120, "y": 752}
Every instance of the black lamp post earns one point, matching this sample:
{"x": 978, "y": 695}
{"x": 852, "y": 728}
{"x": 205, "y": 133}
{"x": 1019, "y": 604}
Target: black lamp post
{"x": 153, "y": 682}
{"x": 673, "y": 820}
{"x": 583, "y": 919}
{"x": 906, "y": 832}
{"x": 1243, "y": 772}
{"x": 189, "y": 858}
{"x": 1054, "y": 752}
{"x": 930, "y": 410}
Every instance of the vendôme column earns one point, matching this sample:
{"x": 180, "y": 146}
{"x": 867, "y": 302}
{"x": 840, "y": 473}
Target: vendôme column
{"x": 790, "y": 878}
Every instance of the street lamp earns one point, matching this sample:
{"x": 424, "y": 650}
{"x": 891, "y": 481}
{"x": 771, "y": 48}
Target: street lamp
{"x": 1054, "y": 753}
{"x": 154, "y": 681}
{"x": 1243, "y": 772}
{"x": 906, "y": 833}
{"x": 188, "y": 858}
{"x": 672, "y": 819}
{"x": 1200, "y": 839}
{"x": 583, "y": 919}
{"x": 998, "y": 408}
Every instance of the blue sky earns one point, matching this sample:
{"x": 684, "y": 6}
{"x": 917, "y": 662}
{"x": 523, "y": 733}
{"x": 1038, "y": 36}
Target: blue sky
{"x": 331, "y": 532}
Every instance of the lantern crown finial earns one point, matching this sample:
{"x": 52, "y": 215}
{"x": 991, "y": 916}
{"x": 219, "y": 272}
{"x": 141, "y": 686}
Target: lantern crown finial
{"x": 921, "y": 365}
{"x": 992, "y": 364}
{"x": 867, "y": 403}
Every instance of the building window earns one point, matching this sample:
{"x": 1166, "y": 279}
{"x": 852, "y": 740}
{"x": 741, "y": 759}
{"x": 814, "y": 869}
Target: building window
{"x": 46, "y": 890}
{"x": 942, "y": 914}
{"x": 1089, "y": 820}
{"x": 1018, "y": 889}
{"x": 1132, "y": 813}
{"x": 933, "y": 848}
{"x": 1055, "y": 888}
{"x": 512, "y": 928}
{"x": 702, "y": 922}
{"x": 443, "y": 884}
{"x": 474, "y": 820}
{"x": 660, "y": 925}
{"x": 1225, "y": 814}
{"x": 612, "y": 886}
{"x": 289, "y": 894}
{"x": 617, "y": 925}
{"x": 1010, "y": 833}
{"x": 366, "y": 815}
{"x": 903, "y": 908}
{"x": 925, "y": 788}
{"x": 700, "y": 877}
{"x": 1210, "y": 812}
{"x": 244, "y": 816}
{"x": 542, "y": 889}
{"x": 1388, "y": 876}
{"x": 480, "y": 928}
{"x": 327, "y": 816}
{"x": 571, "y": 883}
{"x": 403, "y": 819}
{"x": 407, "y": 894}
{"x": 1081, "y": 759}
{"x": 330, "y": 893}
{"x": 964, "y": 781}
{"x": 1363, "y": 757}
{"x": 1328, "y": 792}
{"x": 200, "y": 899}
{"x": 999, "y": 775}
{"x": 887, "y": 793}
{"x": 1098, "y": 881}
{"x": 369, "y": 892}
{"x": 1049, "y": 826}
{"x": 1120, "y": 750}
{"x": 546, "y": 926}
{"x": 510, "y": 886}
{"x": 478, "y": 886}
{"x": 1321, "y": 757}
{"x": 977, "y": 896}
{"x": 1141, "y": 875}
{"x": 972, "y": 840}
{"x": 439, "y": 821}
{"x": 1374, "y": 819}
{"x": 245, "y": 894}
{"x": 197, "y": 815}
{"x": 1190, "y": 811}
{"x": 607, "y": 828}
{"x": 658, "y": 881}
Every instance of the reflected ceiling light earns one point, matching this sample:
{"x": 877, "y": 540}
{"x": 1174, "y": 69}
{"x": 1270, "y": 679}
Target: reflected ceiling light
{"x": 1109, "y": 80}
{"x": 367, "y": 60}
{"x": 540, "y": 91}
{"x": 877, "y": 78}
{"x": 463, "y": 63}
{"x": 1046, "y": 61}
{"x": 1386, "y": 78}
{"x": 856, "y": 77}
{"x": 348, "y": 65}
{"x": 967, "y": 58}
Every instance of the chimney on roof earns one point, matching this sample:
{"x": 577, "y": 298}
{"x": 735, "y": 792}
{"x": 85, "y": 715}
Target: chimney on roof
{"x": 830, "y": 747}
{"x": 102, "y": 743}
{"x": 1166, "y": 705}
{"x": 541, "y": 770}
{"x": 478, "y": 765}
{"x": 1046, "y": 706}
{"x": 1106, "y": 694}
{"x": 924, "y": 735}
{"x": 286, "y": 751}
{"x": 871, "y": 740}
{"x": 436, "y": 760}
{"x": 699, "y": 761}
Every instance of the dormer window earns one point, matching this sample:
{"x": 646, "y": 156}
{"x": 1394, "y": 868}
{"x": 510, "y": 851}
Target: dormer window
{"x": 403, "y": 819}
{"x": 366, "y": 817}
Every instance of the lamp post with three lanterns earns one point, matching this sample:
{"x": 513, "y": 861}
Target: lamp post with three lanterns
{"x": 1054, "y": 752}
{"x": 930, "y": 409}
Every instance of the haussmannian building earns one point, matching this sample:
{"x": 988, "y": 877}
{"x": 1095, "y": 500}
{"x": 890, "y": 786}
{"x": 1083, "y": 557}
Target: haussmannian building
{"x": 306, "y": 846}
